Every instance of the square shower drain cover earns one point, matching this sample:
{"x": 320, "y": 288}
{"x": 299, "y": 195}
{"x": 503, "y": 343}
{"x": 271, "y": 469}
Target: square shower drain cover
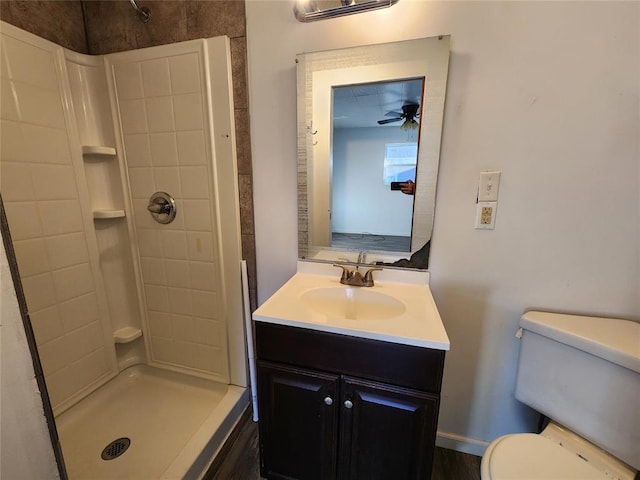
{"x": 115, "y": 448}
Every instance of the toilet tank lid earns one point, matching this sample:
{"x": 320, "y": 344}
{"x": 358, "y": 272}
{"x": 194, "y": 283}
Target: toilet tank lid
{"x": 612, "y": 339}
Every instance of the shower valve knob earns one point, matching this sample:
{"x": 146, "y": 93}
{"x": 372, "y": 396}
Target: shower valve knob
{"x": 159, "y": 208}
{"x": 162, "y": 207}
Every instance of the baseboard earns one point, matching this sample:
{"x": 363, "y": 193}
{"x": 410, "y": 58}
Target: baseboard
{"x": 461, "y": 444}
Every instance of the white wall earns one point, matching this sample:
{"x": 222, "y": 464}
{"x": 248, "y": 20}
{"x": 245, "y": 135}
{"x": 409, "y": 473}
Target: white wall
{"x": 26, "y": 446}
{"x": 361, "y": 202}
{"x": 547, "y": 92}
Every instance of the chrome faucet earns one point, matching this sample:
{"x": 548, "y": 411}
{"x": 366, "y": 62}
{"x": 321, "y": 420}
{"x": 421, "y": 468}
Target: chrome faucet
{"x": 355, "y": 278}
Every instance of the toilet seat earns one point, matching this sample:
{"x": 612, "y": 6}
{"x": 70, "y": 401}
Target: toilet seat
{"x": 530, "y": 456}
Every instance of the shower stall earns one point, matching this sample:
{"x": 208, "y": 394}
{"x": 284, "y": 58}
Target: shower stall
{"x": 137, "y": 316}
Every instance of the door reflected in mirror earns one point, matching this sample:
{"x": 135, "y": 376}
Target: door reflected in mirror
{"x": 369, "y": 127}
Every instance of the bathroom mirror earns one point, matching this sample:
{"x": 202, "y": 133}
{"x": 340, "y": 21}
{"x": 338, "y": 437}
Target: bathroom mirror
{"x": 369, "y": 117}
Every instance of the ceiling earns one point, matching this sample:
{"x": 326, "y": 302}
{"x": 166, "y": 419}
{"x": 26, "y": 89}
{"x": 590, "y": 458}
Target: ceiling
{"x": 363, "y": 105}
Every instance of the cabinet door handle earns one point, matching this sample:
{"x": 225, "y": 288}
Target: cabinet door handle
{"x": 328, "y": 400}
{"x": 348, "y": 403}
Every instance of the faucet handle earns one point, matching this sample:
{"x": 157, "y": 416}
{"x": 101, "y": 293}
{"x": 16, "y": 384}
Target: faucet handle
{"x": 368, "y": 277}
{"x": 346, "y": 274}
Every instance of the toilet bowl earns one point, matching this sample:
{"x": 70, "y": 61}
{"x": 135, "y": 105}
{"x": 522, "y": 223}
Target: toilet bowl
{"x": 583, "y": 373}
{"x": 555, "y": 454}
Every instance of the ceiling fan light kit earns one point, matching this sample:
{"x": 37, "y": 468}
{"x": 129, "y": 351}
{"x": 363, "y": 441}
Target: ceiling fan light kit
{"x": 409, "y": 125}
{"x": 312, "y": 10}
{"x": 409, "y": 115}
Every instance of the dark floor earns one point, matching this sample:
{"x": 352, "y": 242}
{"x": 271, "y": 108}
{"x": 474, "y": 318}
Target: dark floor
{"x": 366, "y": 242}
{"x": 239, "y": 458}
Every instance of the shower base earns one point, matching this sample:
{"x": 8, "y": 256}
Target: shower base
{"x": 176, "y": 424}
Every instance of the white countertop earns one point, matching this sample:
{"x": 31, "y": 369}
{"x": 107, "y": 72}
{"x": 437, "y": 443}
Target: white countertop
{"x": 418, "y": 325}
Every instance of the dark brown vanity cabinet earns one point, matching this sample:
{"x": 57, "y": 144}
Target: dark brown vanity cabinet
{"x": 298, "y": 422}
{"x": 340, "y": 407}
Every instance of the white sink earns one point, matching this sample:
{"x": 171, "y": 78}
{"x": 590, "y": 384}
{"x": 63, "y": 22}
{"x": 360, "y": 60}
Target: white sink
{"x": 352, "y": 303}
{"x": 398, "y": 308}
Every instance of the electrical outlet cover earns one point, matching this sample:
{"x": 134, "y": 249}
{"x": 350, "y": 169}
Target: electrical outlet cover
{"x": 486, "y": 215}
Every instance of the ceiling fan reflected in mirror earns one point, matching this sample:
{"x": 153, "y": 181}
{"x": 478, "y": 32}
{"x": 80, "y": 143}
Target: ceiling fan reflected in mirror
{"x": 409, "y": 114}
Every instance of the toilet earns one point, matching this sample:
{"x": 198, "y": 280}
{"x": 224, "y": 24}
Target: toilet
{"x": 583, "y": 374}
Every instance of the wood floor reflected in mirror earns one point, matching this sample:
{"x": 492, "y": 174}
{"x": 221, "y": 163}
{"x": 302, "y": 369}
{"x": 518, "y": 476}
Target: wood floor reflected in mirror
{"x": 368, "y": 242}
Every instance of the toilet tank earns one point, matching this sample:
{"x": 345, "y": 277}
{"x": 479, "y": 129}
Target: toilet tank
{"x": 584, "y": 373}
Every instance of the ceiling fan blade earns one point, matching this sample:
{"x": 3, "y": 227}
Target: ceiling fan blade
{"x": 393, "y": 114}
{"x": 389, "y": 120}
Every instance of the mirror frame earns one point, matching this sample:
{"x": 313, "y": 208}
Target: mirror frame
{"x": 318, "y": 73}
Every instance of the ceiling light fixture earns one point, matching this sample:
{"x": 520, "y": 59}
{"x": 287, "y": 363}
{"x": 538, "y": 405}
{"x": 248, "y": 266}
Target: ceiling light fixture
{"x": 312, "y": 10}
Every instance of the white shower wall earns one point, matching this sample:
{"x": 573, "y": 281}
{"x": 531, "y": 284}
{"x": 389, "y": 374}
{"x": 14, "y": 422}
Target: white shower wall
{"x": 87, "y": 278}
{"x": 161, "y": 98}
{"x": 50, "y": 220}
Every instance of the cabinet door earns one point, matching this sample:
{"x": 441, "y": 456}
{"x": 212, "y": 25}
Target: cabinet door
{"x": 386, "y": 432}
{"x": 298, "y": 422}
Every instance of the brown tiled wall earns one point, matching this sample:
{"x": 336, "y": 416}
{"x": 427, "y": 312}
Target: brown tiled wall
{"x": 60, "y": 21}
{"x": 113, "y": 26}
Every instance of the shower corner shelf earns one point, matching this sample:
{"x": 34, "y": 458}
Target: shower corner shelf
{"x": 98, "y": 150}
{"x": 107, "y": 214}
{"x": 126, "y": 334}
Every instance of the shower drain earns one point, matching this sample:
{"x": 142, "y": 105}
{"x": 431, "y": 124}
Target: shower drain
{"x": 115, "y": 448}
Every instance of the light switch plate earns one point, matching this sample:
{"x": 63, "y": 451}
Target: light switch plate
{"x": 489, "y": 184}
